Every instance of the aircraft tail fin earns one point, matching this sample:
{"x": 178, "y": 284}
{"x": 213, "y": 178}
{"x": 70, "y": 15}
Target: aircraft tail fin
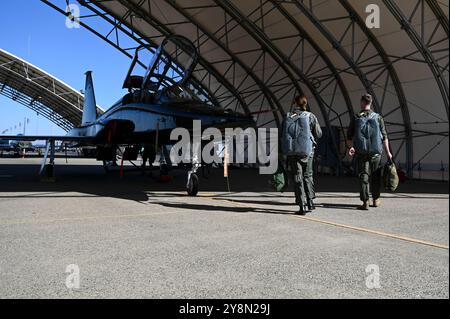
{"x": 90, "y": 105}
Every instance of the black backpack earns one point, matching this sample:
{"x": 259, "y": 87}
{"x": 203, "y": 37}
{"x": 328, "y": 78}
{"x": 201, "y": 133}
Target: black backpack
{"x": 368, "y": 138}
{"x": 297, "y": 139}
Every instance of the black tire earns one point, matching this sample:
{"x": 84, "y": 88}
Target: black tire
{"x": 192, "y": 188}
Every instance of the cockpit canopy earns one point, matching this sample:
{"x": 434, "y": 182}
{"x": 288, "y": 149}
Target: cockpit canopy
{"x": 170, "y": 67}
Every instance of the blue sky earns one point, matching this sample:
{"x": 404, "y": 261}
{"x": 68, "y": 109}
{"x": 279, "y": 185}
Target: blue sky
{"x": 36, "y": 33}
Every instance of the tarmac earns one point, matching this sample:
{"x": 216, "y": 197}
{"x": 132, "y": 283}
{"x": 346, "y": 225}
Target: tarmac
{"x": 134, "y": 237}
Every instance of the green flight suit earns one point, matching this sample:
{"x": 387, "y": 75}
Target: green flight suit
{"x": 369, "y": 174}
{"x": 301, "y": 170}
{"x": 368, "y": 167}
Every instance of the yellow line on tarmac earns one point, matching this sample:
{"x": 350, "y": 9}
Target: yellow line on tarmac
{"x": 209, "y": 197}
{"x": 374, "y": 232}
{"x": 360, "y": 229}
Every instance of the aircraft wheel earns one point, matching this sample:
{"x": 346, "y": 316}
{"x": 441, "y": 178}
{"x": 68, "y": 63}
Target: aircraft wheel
{"x": 193, "y": 183}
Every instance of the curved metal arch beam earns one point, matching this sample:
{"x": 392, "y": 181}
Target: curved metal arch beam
{"x": 243, "y": 22}
{"x": 358, "y": 71}
{"x": 305, "y": 35}
{"x": 395, "y": 80}
{"x": 278, "y": 56}
{"x": 270, "y": 96}
{"x": 423, "y": 49}
{"x": 165, "y": 31}
{"x": 194, "y": 82}
{"x": 262, "y": 41}
{"x": 339, "y": 48}
{"x": 440, "y": 15}
{"x": 33, "y": 105}
{"x": 40, "y": 91}
{"x": 213, "y": 71}
{"x": 204, "y": 91}
{"x": 156, "y": 24}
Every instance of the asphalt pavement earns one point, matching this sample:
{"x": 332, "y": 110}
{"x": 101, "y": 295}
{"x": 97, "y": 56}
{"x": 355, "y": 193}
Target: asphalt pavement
{"x": 134, "y": 237}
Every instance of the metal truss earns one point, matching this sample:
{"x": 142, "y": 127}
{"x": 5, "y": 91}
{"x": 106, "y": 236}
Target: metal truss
{"x": 247, "y": 66}
{"x": 225, "y": 97}
{"x": 428, "y": 46}
{"x": 117, "y": 32}
{"x": 324, "y": 70}
{"x": 369, "y": 63}
{"x": 40, "y": 92}
{"x": 36, "y": 106}
{"x": 233, "y": 62}
{"x": 255, "y": 93}
{"x": 285, "y": 70}
{"x": 391, "y": 76}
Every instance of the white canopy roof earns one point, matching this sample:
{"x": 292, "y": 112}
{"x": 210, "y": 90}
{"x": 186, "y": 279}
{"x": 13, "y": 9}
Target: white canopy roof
{"x": 256, "y": 55}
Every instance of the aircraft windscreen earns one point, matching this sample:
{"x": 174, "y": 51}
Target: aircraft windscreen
{"x": 181, "y": 57}
{"x": 173, "y": 62}
{"x": 171, "y": 65}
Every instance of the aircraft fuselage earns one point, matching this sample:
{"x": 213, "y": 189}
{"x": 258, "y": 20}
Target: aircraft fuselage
{"x": 139, "y": 121}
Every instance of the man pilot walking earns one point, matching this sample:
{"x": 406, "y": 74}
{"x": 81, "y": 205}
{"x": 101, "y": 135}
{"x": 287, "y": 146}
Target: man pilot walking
{"x": 367, "y": 137}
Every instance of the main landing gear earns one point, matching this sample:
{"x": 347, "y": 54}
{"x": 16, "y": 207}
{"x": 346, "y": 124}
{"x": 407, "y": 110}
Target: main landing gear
{"x": 47, "y": 171}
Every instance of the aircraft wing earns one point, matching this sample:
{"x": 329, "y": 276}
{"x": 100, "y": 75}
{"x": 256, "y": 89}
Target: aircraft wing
{"x": 31, "y": 138}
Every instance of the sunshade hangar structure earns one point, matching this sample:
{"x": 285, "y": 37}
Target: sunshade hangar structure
{"x": 256, "y": 55}
{"x": 41, "y": 92}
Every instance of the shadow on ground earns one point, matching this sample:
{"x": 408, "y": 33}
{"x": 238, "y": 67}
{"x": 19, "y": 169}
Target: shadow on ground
{"x": 93, "y": 181}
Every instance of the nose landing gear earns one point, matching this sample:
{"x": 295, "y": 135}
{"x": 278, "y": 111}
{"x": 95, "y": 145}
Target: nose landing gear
{"x": 193, "y": 181}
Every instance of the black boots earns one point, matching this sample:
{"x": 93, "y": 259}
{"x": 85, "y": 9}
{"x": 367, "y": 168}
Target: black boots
{"x": 308, "y": 208}
{"x": 364, "y": 206}
{"x": 302, "y": 211}
{"x": 311, "y": 206}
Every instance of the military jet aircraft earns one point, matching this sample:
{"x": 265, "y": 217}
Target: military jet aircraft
{"x": 156, "y": 103}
